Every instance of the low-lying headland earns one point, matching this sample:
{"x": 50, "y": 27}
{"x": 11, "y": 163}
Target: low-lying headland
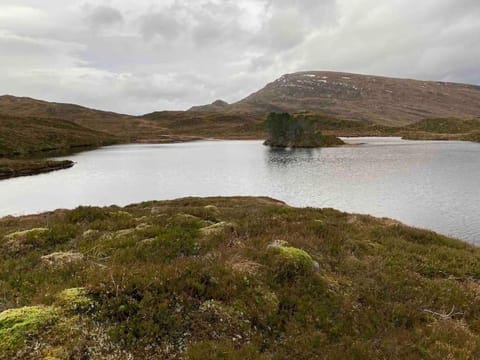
{"x": 15, "y": 168}
{"x": 233, "y": 278}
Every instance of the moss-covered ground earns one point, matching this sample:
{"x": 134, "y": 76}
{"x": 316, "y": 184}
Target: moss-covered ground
{"x": 233, "y": 278}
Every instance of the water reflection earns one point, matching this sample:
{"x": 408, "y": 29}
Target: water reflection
{"x": 282, "y": 157}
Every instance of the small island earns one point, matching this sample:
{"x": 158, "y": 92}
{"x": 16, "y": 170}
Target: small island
{"x": 285, "y": 130}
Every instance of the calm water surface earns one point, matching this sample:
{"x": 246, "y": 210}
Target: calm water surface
{"x": 433, "y": 185}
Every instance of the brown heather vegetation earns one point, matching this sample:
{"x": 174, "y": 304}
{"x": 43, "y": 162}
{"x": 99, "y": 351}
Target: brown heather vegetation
{"x": 233, "y": 278}
{"x": 27, "y": 135}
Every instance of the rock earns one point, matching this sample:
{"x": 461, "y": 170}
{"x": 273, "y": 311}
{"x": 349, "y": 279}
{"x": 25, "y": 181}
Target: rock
{"x": 125, "y": 232}
{"x": 143, "y": 226}
{"x": 59, "y": 259}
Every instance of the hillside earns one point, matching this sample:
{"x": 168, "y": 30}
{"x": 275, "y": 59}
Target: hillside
{"x": 26, "y": 135}
{"x": 95, "y": 119}
{"x": 209, "y": 124}
{"x": 233, "y": 278}
{"x": 382, "y": 100}
{"x": 129, "y": 128}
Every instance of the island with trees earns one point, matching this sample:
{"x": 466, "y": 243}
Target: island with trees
{"x": 285, "y": 130}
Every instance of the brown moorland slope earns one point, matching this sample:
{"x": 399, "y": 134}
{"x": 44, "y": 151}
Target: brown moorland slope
{"x": 225, "y": 125}
{"x": 382, "y": 100}
{"x": 26, "y": 135}
{"x": 129, "y": 128}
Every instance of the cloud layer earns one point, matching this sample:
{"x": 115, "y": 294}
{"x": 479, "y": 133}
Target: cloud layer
{"x": 141, "y": 56}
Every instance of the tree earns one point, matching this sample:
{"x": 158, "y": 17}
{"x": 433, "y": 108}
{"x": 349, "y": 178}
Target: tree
{"x": 286, "y": 131}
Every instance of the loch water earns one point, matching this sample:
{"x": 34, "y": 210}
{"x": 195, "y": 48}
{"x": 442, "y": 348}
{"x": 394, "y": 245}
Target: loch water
{"x": 428, "y": 184}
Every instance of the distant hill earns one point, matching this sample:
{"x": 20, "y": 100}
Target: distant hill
{"x": 126, "y": 127}
{"x": 94, "y": 119}
{"x": 218, "y": 105}
{"x": 382, "y": 100}
{"x": 25, "y": 135}
{"x": 205, "y": 123}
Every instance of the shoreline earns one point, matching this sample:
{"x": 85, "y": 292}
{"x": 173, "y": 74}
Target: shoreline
{"x": 28, "y": 168}
{"x": 22, "y": 160}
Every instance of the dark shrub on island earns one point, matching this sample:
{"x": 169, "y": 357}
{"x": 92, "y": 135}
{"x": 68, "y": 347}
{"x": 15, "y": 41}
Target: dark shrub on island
{"x": 285, "y": 130}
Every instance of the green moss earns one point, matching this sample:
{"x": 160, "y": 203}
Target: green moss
{"x": 21, "y": 324}
{"x": 31, "y": 234}
{"x": 75, "y": 300}
{"x": 291, "y": 262}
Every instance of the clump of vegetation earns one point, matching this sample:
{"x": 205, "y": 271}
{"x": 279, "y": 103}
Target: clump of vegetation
{"x": 20, "y": 324}
{"x": 153, "y": 284}
{"x": 292, "y": 262}
{"x": 284, "y": 130}
{"x": 75, "y": 300}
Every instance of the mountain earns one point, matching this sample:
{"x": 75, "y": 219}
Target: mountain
{"x": 217, "y": 105}
{"x": 382, "y": 100}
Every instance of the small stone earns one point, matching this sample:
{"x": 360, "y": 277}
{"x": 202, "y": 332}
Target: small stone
{"x": 62, "y": 258}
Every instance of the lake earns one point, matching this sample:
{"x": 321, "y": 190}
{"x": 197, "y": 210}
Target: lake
{"x": 432, "y": 184}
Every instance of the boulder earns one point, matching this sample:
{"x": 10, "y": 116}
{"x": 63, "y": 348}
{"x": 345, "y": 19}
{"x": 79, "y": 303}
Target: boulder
{"x": 59, "y": 259}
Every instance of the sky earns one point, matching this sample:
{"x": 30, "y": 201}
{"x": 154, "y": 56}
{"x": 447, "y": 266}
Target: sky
{"x": 140, "y": 56}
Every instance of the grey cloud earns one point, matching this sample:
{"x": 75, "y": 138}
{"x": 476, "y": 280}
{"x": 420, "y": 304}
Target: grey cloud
{"x": 148, "y": 55}
{"x": 104, "y": 16}
{"x": 161, "y": 24}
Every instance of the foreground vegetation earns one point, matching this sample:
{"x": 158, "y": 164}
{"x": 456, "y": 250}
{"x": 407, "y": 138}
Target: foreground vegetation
{"x": 233, "y": 278}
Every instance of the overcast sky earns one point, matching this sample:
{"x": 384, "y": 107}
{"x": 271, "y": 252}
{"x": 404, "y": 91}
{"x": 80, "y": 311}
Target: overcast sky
{"x": 144, "y": 55}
